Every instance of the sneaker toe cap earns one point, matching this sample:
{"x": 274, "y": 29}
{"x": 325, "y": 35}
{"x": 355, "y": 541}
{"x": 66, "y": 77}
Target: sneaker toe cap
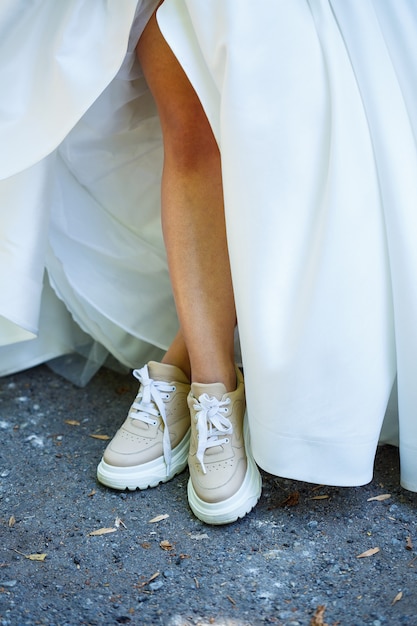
{"x": 220, "y": 482}
{"x": 128, "y": 449}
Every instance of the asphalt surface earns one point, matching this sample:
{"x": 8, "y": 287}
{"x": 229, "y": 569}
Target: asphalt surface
{"x": 292, "y": 561}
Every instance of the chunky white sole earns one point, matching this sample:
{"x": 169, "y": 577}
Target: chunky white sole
{"x": 147, "y": 474}
{"x": 238, "y": 505}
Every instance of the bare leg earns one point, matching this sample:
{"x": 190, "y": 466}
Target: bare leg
{"x": 192, "y": 218}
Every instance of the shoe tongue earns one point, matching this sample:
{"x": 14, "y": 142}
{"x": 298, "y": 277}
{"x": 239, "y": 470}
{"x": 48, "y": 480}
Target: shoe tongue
{"x": 166, "y": 373}
{"x": 218, "y": 390}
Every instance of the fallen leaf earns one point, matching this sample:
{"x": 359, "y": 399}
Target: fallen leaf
{"x": 166, "y": 545}
{"x": 369, "y": 552}
{"x": 146, "y": 582}
{"x": 146, "y": 545}
{"x": 158, "y": 518}
{"x": 318, "y": 617}
{"x": 72, "y": 422}
{"x": 92, "y": 493}
{"x": 380, "y": 498}
{"x": 12, "y": 521}
{"x": 33, "y": 557}
{"x": 101, "y": 437}
{"x": 102, "y": 531}
{"x": 408, "y": 545}
{"x": 36, "y": 557}
{"x": 397, "y": 598}
{"x": 291, "y": 500}
{"x": 323, "y": 497}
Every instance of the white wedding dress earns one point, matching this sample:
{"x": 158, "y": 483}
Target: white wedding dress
{"x": 313, "y": 105}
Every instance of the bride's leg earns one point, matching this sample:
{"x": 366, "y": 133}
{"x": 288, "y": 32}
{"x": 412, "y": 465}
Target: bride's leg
{"x": 193, "y": 218}
{"x": 152, "y": 444}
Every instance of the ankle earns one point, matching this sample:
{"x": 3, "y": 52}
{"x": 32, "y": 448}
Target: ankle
{"x": 182, "y": 364}
{"x": 226, "y": 376}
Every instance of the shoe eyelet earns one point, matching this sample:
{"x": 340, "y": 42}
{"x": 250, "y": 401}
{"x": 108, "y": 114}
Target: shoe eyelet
{"x": 173, "y": 389}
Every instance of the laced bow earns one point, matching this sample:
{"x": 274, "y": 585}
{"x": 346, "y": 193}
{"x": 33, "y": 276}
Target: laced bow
{"x": 211, "y": 424}
{"x": 149, "y": 403}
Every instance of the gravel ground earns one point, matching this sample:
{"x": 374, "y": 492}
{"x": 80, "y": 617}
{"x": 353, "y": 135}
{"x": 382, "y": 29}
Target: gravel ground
{"x": 292, "y": 561}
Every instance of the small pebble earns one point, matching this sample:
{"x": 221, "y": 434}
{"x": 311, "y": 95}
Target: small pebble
{"x": 155, "y": 586}
{"x": 35, "y": 441}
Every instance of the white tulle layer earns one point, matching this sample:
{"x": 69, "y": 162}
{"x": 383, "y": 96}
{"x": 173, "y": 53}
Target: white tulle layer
{"x": 80, "y": 126}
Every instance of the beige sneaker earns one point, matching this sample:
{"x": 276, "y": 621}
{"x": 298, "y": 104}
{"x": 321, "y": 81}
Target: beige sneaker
{"x": 152, "y": 444}
{"x": 225, "y": 483}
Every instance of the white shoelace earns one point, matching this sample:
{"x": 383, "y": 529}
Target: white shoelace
{"x": 212, "y": 424}
{"x": 150, "y": 402}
